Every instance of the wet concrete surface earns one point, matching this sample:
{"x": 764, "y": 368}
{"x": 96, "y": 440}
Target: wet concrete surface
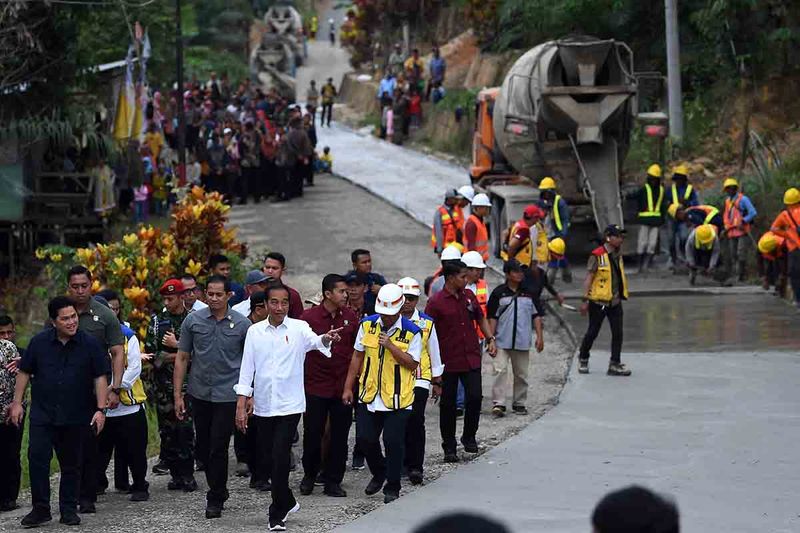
{"x": 701, "y": 323}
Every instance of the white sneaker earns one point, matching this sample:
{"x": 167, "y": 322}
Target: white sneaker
{"x": 292, "y": 510}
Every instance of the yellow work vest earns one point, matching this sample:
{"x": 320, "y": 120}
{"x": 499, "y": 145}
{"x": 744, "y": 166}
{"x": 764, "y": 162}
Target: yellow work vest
{"x": 135, "y": 395}
{"x": 686, "y": 194}
{"x": 380, "y": 372}
{"x": 425, "y": 324}
{"x": 557, "y": 214}
{"x": 653, "y": 210}
{"x": 600, "y": 291}
{"x": 525, "y": 252}
{"x": 542, "y": 252}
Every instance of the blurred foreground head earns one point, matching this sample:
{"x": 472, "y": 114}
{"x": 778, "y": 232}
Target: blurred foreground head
{"x": 635, "y": 509}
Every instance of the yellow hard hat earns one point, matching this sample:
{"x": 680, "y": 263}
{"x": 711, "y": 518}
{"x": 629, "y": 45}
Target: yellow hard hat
{"x": 654, "y": 170}
{"x": 681, "y": 169}
{"x": 791, "y": 196}
{"x": 673, "y": 209}
{"x": 547, "y": 184}
{"x": 706, "y": 233}
{"x": 767, "y": 243}
{"x": 730, "y": 182}
{"x": 557, "y": 246}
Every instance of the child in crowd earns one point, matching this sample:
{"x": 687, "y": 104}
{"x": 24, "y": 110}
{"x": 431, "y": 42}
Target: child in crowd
{"x": 324, "y": 162}
{"x": 141, "y": 199}
{"x": 415, "y": 109}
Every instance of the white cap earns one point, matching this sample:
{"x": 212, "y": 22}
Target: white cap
{"x": 481, "y": 200}
{"x": 390, "y": 299}
{"x": 227, "y": 131}
{"x": 473, "y": 259}
{"x": 467, "y": 192}
{"x": 409, "y": 286}
{"x": 450, "y": 253}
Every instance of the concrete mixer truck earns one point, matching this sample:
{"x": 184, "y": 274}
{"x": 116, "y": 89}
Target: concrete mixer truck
{"x": 566, "y": 109}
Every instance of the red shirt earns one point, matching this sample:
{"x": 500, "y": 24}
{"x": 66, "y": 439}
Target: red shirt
{"x": 325, "y": 377}
{"x": 458, "y": 342}
{"x": 295, "y": 304}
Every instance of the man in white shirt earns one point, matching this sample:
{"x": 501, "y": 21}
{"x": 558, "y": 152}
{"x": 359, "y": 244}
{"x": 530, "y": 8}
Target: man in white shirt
{"x": 386, "y": 354}
{"x": 255, "y": 281}
{"x": 272, "y": 374}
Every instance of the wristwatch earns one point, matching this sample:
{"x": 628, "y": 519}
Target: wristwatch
{"x": 116, "y": 391}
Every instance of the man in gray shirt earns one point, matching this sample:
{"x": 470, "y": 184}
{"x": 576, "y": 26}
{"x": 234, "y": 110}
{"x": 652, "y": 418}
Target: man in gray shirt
{"x": 212, "y": 339}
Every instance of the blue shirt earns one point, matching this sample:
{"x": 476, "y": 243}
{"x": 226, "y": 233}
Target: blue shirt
{"x": 681, "y": 190}
{"x": 747, "y": 208}
{"x": 436, "y": 68}
{"x": 62, "y": 377}
{"x": 238, "y": 294}
{"x": 386, "y": 87}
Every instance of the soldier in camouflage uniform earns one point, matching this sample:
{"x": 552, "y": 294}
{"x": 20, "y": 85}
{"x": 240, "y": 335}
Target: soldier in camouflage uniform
{"x": 177, "y": 436}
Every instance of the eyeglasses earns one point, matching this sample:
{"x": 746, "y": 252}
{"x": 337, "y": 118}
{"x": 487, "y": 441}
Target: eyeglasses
{"x": 259, "y": 306}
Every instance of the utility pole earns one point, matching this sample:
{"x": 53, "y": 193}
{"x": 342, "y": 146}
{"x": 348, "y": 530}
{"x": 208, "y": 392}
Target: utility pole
{"x": 674, "y": 72}
{"x": 179, "y": 99}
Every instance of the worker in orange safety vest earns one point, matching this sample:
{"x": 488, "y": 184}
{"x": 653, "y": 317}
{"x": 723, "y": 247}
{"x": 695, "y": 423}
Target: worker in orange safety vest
{"x": 448, "y": 223}
{"x": 737, "y": 216}
{"x": 475, "y": 281}
{"x": 476, "y": 235}
{"x": 787, "y": 225}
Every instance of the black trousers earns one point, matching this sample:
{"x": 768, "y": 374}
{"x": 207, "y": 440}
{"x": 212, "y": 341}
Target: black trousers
{"x": 67, "y": 441}
{"x": 326, "y": 108}
{"x": 341, "y": 416}
{"x": 392, "y": 424}
{"x": 472, "y": 407}
{"x": 10, "y": 468}
{"x": 597, "y": 313}
{"x": 128, "y": 436}
{"x": 259, "y": 465}
{"x": 275, "y": 441}
{"x": 240, "y": 446}
{"x": 214, "y": 424}
{"x": 89, "y": 465}
{"x": 249, "y": 183}
{"x": 415, "y": 431}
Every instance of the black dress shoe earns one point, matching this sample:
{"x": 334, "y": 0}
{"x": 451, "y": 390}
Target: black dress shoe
{"x": 265, "y": 486}
{"x": 306, "y": 486}
{"x": 36, "y": 518}
{"x": 87, "y": 508}
{"x": 470, "y": 445}
{"x": 390, "y": 495}
{"x": 335, "y": 490}
{"x": 9, "y": 505}
{"x": 70, "y": 519}
{"x": 450, "y": 457}
{"x": 374, "y": 485}
{"x": 140, "y": 496}
{"x": 415, "y": 477}
{"x": 213, "y": 510}
{"x": 189, "y": 485}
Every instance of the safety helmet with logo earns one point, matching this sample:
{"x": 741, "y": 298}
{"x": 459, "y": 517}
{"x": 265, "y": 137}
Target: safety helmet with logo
{"x": 654, "y": 170}
{"x": 547, "y": 184}
{"x": 481, "y": 200}
{"x": 409, "y": 286}
{"x": 729, "y": 182}
{"x": 680, "y": 170}
{"x": 706, "y": 234}
{"x": 390, "y": 300}
{"x": 767, "y": 243}
{"x": 791, "y": 196}
{"x": 557, "y": 246}
{"x": 467, "y": 192}
{"x": 672, "y": 210}
{"x": 452, "y": 252}
{"x": 473, "y": 259}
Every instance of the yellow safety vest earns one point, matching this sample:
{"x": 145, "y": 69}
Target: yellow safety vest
{"x": 557, "y": 214}
{"x": 135, "y": 395}
{"x": 424, "y": 371}
{"x": 542, "y": 252}
{"x": 654, "y": 210}
{"x": 525, "y": 252}
{"x": 686, "y": 194}
{"x": 380, "y": 372}
{"x": 600, "y": 290}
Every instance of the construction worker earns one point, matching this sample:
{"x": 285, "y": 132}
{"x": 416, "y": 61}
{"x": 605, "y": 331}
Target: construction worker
{"x": 465, "y": 195}
{"x": 604, "y": 289}
{"x": 428, "y": 379}
{"x": 521, "y": 236}
{"x": 787, "y": 225}
{"x": 448, "y": 222}
{"x": 772, "y": 262}
{"x": 557, "y": 225}
{"x": 702, "y": 251}
{"x": 737, "y": 216}
{"x": 681, "y": 194}
{"x": 435, "y": 283}
{"x": 475, "y": 281}
{"x": 695, "y": 216}
{"x": 386, "y": 355}
{"x": 476, "y": 236}
{"x": 652, "y": 209}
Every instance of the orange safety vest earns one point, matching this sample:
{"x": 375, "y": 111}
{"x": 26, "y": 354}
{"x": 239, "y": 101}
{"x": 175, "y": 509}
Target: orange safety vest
{"x": 482, "y": 294}
{"x": 787, "y": 225}
{"x": 732, "y": 217}
{"x": 481, "y": 242}
{"x": 451, "y": 226}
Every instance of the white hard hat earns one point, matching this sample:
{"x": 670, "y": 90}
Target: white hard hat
{"x": 390, "y": 299}
{"x": 409, "y": 286}
{"x": 450, "y": 253}
{"x": 467, "y": 192}
{"x": 481, "y": 200}
{"x": 473, "y": 259}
